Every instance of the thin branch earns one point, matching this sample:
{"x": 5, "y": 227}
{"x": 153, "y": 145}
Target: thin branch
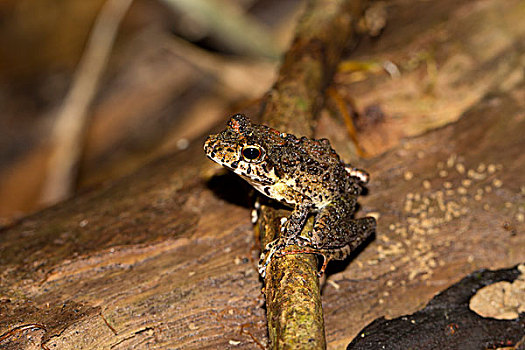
{"x": 228, "y": 23}
{"x": 69, "y": 128}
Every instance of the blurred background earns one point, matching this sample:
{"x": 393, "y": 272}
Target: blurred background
{"x": 92, "y": 90}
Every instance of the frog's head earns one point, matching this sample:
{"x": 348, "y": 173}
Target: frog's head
{"x": 242, "y": 149}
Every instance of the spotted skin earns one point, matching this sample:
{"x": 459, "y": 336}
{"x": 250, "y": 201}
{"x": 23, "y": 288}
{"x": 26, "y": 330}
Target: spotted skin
{"x": 305, "y": 174}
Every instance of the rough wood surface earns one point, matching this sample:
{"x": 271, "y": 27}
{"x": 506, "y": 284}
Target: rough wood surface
{"x": 162, "y": 258}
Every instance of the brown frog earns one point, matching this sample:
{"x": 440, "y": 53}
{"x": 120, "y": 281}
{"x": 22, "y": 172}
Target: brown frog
{"x": 306, "y": 174}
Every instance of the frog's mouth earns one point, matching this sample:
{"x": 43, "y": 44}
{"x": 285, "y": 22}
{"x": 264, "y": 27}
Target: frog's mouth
{"x": 221, "y": 153}
{"x": 208, "y": 147}
{"x": 228, "y": 155}
{"x": 213, "y": 150}
{"x": 254, "y": 174}
{"x": 259, "y": 181}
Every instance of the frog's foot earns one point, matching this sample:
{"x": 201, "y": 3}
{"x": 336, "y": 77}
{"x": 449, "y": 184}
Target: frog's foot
{"x": 308, "y": 251}
{"x": 267, "y": 254}
{"x": 276, "y": 248}
{"x": 359, "y": 174}
{"x": 306, "y": 247}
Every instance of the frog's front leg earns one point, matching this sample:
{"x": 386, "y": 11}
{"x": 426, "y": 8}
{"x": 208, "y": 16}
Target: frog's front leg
{"x": 295, "y": 222}
{"x": 290, "y": 230}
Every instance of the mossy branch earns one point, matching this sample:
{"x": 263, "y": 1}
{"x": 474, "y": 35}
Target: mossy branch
{"x": 293, "y": 301}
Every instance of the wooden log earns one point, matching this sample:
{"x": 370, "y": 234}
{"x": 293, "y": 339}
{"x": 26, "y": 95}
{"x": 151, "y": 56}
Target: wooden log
{"x": 161, "y": 258}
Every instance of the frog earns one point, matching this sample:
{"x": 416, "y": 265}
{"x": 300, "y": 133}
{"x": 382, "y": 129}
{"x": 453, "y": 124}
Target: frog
{"x": 305, "y": 174}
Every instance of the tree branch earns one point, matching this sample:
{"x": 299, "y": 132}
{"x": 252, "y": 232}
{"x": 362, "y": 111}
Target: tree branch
{"x": 293, "y": 301}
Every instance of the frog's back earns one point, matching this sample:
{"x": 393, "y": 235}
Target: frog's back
{"x": 309, "y": 166}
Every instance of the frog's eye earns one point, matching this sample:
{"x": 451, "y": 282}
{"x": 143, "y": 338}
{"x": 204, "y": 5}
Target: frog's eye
{"x": 252, "y": 153}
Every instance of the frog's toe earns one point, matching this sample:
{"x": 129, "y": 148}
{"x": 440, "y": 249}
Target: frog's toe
{"x": 302, "y": 241}
{"x": 284, "y": 220}
{"x": 266, "y": 256}
{"x": 264, "y": 261}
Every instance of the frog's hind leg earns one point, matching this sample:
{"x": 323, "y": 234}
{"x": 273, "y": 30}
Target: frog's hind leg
{"x": 346, "y": 237}
{"x": 361, "y": 175}
{"x": 336, "y": 234}
{"x": 336, "y": 228}
{"x": 335, "y": 248}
